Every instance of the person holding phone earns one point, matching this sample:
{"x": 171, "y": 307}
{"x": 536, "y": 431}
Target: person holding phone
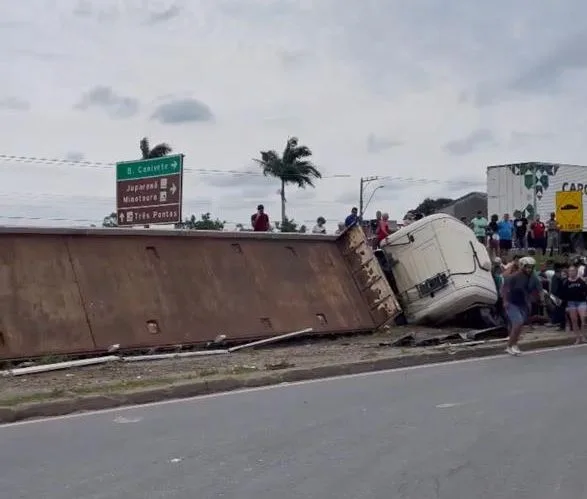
{"x": 260, "y": 220}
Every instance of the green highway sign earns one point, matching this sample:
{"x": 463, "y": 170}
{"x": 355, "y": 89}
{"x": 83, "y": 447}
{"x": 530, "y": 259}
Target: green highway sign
{"x": 149, "y": 191}
{"x": 147, "y": 168}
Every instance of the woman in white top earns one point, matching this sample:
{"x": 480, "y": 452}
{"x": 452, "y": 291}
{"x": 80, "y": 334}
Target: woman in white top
{"x": 319, "y": 228}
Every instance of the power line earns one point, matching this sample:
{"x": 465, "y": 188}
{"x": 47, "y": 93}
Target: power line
{"x": 110, "y": 166}
{"x": 5, "y": 158}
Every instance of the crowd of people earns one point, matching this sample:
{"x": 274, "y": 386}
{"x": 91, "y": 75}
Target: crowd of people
{"x": 377, "y": 229}
{"x": 553, "y": 292}
{"x": 521, "y": 234}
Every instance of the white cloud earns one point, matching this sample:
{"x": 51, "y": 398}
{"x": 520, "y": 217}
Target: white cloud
{"x": 435, "y": 90}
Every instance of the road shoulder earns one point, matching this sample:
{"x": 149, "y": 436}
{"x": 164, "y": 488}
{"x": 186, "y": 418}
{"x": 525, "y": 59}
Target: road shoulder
{"x": 22, "y": 402}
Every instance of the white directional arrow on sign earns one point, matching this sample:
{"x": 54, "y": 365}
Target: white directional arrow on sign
{"x": 173, "y": 164}
{"x": 173, "y": 189}
{"x": 121, "y": 218}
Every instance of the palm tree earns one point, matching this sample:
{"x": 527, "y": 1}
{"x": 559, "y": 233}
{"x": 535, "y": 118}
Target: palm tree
{"x": 158, "y": 151}
{"x": 292, "y": 167}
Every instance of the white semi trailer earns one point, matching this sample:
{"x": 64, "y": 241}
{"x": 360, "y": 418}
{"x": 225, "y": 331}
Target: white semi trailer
{"x": 531, "y": 187}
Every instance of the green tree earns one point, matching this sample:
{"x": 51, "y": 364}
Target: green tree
{"x": 157, "y": 151}
{"x": 205, "y": 222}
{"x": 430, "y": 206}
{"x": 290, "y": 226}
{"x": 110, "y": 220}
{"x": 292, "y": 167}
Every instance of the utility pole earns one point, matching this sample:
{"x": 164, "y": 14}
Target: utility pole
{"x": 363, "y": 183}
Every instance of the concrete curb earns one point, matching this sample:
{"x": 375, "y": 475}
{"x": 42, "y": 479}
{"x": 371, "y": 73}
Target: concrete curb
{"x": 61, "y": 407}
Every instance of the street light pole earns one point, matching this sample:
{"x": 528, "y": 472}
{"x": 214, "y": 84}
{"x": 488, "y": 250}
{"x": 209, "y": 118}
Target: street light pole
{"x": 363, "y": 183}
{"x": 361, "y": 200}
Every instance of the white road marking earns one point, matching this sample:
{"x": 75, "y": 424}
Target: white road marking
{"x": 199, "y": 398}
{"x": 123, "y": 420}
{"x": 446, "y": 406}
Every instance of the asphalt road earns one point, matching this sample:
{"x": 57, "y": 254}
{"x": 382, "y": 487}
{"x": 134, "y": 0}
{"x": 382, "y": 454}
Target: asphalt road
{"x": 495, "y": 428}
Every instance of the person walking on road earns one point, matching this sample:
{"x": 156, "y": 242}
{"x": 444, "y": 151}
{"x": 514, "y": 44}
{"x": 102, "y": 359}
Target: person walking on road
{"x": 518, "y": 289}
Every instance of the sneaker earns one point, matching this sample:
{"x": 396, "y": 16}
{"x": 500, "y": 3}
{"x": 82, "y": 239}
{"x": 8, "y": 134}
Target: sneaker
{"x": 516, "y": 350}
{"x": 510, "y": 351}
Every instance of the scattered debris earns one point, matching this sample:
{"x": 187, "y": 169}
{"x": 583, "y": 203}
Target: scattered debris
{"x": 273, "y": 339}
{"x": 178, "y": 355}
{"x": 60, "y": 365}
{"x": 34, "y": 369}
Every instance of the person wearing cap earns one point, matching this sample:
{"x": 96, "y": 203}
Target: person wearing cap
{"x": 260, "y": 220}
{"x": 518, "y": 288}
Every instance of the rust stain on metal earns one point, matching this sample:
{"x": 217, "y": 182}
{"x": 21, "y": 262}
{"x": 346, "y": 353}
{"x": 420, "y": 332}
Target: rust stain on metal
{"x": 40, "y": 307}
{"x": 71, "y": 291}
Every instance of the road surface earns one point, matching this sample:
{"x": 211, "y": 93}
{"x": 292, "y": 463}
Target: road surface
{"x": 495, "y": 428}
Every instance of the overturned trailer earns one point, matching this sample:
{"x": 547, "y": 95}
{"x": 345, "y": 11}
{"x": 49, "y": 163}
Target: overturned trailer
{"x": 80, "y": 291}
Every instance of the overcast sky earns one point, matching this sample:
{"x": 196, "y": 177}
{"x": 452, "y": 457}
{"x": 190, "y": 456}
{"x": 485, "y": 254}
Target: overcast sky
{"x": 425, "y": 89}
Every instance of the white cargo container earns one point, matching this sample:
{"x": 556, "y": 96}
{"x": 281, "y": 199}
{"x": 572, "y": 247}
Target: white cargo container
{"x": 521, "y": 186}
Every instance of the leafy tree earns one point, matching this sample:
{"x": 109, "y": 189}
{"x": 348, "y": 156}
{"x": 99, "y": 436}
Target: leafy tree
{"x": 290, "y": 226}
{"x": 110, "y": 221}
{"x": 205, "y": 222}
{"x": 292, "y": 167}
{"x": 157, "y": 151}
{"x": 430, "y": 206}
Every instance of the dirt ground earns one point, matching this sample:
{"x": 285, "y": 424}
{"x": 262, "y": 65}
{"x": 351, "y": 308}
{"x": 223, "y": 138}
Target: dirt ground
{"x": 133, "y": 375}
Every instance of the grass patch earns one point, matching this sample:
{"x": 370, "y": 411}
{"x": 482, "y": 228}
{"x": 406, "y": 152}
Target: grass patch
{"x": 105, "y": 389}
{"x": 276, "y": 366}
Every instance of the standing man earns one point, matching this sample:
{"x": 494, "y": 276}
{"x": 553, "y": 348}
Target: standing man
{"x": 538, "y": 231}
{"x": 521, "y": 230}
{"x": 518, "y": 289}
{"x": 505, "y": 231}
{"x": 479, "y": 226}
{"x": 353, "y": 218}
{"x": 558, "y": 316}
{"x": 552, "y": 234}
{"x": 260, "y": 220}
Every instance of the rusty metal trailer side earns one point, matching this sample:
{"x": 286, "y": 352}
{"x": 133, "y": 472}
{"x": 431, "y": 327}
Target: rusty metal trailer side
{"x": 70, "y": 291}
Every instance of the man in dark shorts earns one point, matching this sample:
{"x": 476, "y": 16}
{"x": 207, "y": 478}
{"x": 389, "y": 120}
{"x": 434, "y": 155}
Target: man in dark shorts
{"x": 518, "y": 288}
{"x": 505, "y": 230}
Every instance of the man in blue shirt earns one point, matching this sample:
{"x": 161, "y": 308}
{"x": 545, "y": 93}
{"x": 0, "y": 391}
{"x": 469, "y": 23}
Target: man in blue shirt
{"x": 505, "y": 231}
{"x": 352, "y": 218}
